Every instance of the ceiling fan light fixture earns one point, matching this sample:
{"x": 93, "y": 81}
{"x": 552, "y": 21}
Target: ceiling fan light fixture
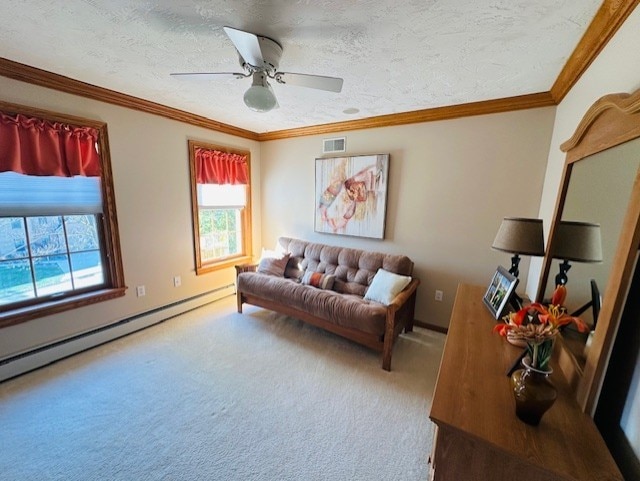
{"x": 260, "y": 97}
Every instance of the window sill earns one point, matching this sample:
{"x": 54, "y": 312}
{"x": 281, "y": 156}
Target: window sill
{"x": 23, "y": 314}
{"x": 216, "y": 266}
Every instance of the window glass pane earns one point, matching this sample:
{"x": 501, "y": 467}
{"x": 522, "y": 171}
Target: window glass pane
{"x": 49, "y": 253}
{"x": 213, "y": 195}
{"x": 52, "y": 274}
{"x": 15, "y": 281}
{"x": 82, "y": 232}
{"x": 13, "y": 240}
{"x": 219, "y": 233}
{"x": 46, "y": 235}
{"x": 87, "y": 269}
{"x": 207, "y": 235}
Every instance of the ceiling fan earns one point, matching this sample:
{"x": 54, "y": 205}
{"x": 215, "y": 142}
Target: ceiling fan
{"x": 260, "y": 58}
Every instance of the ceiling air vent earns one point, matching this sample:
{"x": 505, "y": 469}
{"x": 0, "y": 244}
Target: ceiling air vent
{"x": 339, "y": 144}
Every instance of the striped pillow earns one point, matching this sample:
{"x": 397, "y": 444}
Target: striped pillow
{"x": 319, "y": 280}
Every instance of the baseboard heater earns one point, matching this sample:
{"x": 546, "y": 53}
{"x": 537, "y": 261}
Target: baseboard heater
{"x": 41, "y": 356}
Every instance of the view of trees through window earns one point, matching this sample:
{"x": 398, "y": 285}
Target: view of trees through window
{"x": 220, "y": 233}
{"x": 47, "y": 255}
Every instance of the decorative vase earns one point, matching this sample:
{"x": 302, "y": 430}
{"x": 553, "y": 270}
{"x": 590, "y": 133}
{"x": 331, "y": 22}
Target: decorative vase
{"x": 533, "y": 391}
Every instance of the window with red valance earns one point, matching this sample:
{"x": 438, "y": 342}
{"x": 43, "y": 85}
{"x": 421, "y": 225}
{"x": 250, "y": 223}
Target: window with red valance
{"x": 221, "y": 205}
{"x": 59, "y": 246}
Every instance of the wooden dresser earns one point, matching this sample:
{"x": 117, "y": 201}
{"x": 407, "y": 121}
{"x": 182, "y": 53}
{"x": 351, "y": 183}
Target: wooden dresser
{"x": 479, "y": 437}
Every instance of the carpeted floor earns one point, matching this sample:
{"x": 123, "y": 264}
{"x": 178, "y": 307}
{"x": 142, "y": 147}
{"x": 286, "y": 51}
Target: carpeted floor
{"x": 215, "y": 395}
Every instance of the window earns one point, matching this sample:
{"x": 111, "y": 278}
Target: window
{"x": 59, "y": 246}
{"x": 48, "y": 256}
{"x": 220, "y": 187}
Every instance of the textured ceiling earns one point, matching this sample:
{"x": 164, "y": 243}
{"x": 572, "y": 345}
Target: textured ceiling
{"x": 394, "y": 55}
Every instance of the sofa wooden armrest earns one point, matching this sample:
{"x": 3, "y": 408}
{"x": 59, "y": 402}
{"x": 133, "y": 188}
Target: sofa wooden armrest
{"x": 400, "y": 315}
{"x": 246, "y": 268}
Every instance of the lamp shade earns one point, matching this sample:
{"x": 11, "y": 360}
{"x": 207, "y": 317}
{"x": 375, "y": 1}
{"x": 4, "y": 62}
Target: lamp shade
{"x": 578, "y": 241}
{"x": 520, "y": 236}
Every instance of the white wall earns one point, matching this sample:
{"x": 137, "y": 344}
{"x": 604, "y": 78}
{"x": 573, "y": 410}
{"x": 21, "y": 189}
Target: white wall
{"x": 616, "y": 69}
{"x": 150, "y": 164}
{"x": 451, "y": 183}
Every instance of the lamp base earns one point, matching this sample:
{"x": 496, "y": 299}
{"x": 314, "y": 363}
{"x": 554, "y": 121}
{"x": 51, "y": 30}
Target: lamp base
{"x": 561, "y": 278}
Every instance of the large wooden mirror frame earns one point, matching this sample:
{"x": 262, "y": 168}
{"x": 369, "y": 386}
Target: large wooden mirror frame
{"x": 612, "y": 120}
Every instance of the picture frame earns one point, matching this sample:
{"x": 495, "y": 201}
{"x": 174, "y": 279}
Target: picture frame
{"x": 351, "y": 195}
{"x": 499, "y": 292}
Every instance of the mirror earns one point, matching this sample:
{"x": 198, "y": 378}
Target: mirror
{"x": 599, "y": 189}
{"x": 600, "y": 183}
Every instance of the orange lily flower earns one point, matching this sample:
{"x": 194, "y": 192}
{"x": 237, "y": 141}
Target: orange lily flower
{"x": 559, "y": 295}
{"x": 557, "y": 317}
{"x": 513, "y": 320}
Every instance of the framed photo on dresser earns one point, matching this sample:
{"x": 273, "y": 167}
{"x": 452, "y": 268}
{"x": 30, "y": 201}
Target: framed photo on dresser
{"x": 500, "y": 290}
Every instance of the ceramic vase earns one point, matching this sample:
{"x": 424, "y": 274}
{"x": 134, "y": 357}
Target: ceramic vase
{"x": 533, "y": 391}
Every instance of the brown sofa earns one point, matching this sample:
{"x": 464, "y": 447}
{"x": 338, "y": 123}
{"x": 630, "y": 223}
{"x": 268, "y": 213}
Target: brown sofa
{"x": 341, "y": 309}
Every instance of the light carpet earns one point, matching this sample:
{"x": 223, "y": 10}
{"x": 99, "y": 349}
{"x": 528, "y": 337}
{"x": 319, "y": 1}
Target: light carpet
{"x": 216, "y": 395}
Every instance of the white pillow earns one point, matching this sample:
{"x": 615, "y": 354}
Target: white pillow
{"x": 385, "y": 286}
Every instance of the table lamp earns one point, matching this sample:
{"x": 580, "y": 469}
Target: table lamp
{"x": 519, "y": 236}
{"x": 576, "y": 241}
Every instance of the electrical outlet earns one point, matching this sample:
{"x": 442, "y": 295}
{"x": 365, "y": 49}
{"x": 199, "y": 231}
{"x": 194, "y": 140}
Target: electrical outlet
{"x": 177, "y": 281}
{"x": 439, "y": 295}
{"x": 140, "y": 291}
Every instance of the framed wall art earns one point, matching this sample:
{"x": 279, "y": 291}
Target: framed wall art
{"x": 500, "y": 290}
{"x": 351, "y": 195}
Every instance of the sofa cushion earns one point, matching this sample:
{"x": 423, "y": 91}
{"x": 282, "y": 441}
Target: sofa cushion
{"x": 386, "y": 286}
{"x": 342, "y": 309}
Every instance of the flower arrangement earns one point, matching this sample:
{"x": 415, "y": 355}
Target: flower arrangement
{"x": 538, "y": 325}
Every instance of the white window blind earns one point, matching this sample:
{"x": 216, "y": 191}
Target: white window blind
{"x": 214, "y": 195}
{"x": 29, "y": 195}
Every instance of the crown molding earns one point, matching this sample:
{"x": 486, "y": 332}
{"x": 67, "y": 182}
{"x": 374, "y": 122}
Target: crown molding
{"x": 43, "y": 78}
{"x": 520, "y": 102}
{"x": 608, "y": 19}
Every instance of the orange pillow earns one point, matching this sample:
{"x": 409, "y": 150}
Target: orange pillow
{"x": 319, "y": 280}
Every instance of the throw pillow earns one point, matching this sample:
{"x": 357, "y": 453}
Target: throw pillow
{"x": 273, "y": 266}
{"x": 385, "y": 286}
{"x": 319, "y": 280}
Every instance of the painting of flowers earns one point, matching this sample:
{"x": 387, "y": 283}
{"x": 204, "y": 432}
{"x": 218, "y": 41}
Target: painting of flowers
{"x": 351, "y": 195}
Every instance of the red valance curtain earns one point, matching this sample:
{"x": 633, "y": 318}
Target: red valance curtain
{"x": 35, "y": 146}
{"x": 216, "y": 167}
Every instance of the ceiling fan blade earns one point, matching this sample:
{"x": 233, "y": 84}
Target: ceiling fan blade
{"x": 332, "y": 84}
{"x": 247, "y": 45}
{"x": 206, "y": 75}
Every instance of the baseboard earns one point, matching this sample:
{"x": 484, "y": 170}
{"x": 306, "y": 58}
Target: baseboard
{"x": 432, "y": 327}
{"x": 33, "y": 359}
